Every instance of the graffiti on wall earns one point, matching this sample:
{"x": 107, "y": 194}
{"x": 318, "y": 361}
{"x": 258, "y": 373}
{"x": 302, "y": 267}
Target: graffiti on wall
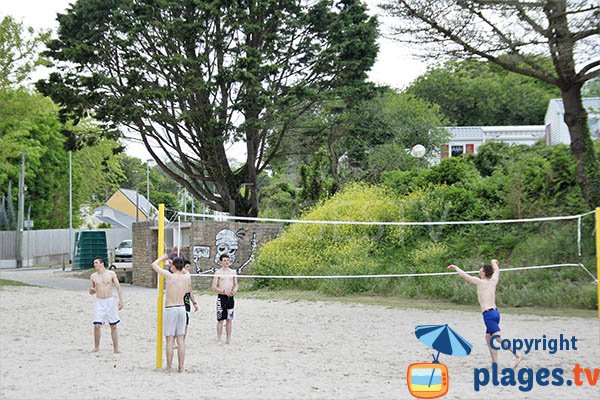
{"x": 199, "y": 252}
{"x": 226, "y": 242}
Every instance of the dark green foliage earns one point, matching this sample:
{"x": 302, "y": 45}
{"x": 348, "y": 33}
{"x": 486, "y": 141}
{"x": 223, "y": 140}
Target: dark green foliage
{"x": 8, "y": 209}
{"x": 474, "y": 31}
{"x": 347, "y": 141}
{"x": 508, "y": 182}
{"x": 474, "y": 93}
{"x": 279, "y": 199}
{"x": 190, "y": 77}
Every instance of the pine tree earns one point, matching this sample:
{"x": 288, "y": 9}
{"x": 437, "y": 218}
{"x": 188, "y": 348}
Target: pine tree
{"x": 3, "y": 221}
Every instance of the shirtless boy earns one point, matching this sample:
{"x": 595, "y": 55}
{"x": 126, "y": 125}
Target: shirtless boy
{"x": 178, "y": 284}
{"x": 486, "y": 294}
{"x": 226, "y": 285}
{"x": 105, "y": 308}
{"x": 189, "y": 297}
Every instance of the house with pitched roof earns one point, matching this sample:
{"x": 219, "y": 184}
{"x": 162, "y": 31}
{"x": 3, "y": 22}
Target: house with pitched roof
{"x": 467, "y": 139}
{"x": 125, "y": 207}
{"x": 556, "y": 129}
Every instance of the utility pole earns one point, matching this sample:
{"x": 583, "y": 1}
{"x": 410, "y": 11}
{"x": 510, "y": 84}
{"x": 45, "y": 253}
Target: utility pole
{"x": 70, "y": 207}
{"x": 21, "y": 213}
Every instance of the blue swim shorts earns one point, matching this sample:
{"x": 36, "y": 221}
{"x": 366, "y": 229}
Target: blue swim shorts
{"x": 491, "y": 319}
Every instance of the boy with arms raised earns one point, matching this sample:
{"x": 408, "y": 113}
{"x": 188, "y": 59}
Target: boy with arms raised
{"x": 486, "y": 294}
{"x": 178, "y": 283}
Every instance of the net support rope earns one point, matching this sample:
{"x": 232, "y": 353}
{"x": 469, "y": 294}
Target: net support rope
{"x": 401, "y": 275}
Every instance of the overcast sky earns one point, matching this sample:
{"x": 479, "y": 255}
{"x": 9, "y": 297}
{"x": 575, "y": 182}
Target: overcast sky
{"x": 394, "y": 66}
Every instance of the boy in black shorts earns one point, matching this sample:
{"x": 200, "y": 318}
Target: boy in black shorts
{"x": 226, "y": 285}
{"x": 189, "y": 297}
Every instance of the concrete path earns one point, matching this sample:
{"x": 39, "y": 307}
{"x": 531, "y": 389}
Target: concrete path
{"x": 56, "y": 278}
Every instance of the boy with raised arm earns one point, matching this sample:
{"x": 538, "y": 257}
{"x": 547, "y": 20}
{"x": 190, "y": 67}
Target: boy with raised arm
{"x": 486, "y": 294}
{"x": 102, "y": 282}
{"x": 226, "y": 285}
{"x": 178, "y": 283}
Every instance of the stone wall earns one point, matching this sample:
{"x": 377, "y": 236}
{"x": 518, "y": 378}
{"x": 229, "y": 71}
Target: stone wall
{"x": 208, "y": 239}
{"x": 145, "y": 241}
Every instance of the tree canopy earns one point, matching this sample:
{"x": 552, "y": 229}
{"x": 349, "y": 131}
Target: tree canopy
{"x": 473, "y": 92}
{"x": 190, "y": 77}
{"x": 518, "y": 36}
{"x": 19, "y": 48}
{"x": 339, "y": 143}
{"x": 29, "y": 124}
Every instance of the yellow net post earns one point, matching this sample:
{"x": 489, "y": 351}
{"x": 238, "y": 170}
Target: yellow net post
{"x": 598, "y": 256}
{"x": 159, "y": 301}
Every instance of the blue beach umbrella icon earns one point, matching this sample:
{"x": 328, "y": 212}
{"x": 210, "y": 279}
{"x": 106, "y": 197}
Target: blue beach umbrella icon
{"x": 443, "y": 339}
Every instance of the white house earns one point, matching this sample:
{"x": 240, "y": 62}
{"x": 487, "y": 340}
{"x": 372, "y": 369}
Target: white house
{"x": 556, "y": 129}
{"x": 467, "y": 139}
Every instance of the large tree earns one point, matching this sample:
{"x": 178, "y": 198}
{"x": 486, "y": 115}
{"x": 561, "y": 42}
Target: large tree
{"x": 472, "y": 92}
{"x": 29, "y": 124}
{"x": 190, "y": 77}
{"x": 519, "y": 36}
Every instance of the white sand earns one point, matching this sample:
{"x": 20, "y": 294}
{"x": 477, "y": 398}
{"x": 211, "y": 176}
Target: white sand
{"x": 280, "y": 350}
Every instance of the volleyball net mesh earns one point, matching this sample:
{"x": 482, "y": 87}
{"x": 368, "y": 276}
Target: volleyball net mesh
{"x": 546, "y": 256}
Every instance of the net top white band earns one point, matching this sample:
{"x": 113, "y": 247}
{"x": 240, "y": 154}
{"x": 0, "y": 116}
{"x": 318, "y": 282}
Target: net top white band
{"x": 389, "y": 223}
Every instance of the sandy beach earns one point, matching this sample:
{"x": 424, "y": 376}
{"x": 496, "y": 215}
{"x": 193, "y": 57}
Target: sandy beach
{"x": 280, "y": 350}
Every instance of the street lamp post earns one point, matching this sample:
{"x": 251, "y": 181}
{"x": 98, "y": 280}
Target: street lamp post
{"x": 21, "y": 212}
{"x": 148, "y": 161}
{"x": 70, "y": 207}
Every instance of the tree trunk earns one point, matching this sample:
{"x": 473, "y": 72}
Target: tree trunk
{"x": 588, "y": 174}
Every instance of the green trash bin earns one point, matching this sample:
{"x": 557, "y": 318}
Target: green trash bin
{"x": 89, "y": 245}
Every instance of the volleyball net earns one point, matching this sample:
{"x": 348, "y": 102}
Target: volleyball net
{"x": 344, "y": 256}
{"x": 296, "y": 240}
{"x": 340, "y": 255}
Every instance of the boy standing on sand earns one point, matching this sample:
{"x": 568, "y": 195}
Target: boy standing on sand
{"x": 178, "y": 283}
{"x": 226, "y": 285}
{"x": 188, "y": 298}
{"x": 105, "y": 308}
{"x": 486, "y": 294}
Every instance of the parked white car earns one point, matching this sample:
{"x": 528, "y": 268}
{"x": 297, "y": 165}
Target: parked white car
{"x": 123, "y": 252}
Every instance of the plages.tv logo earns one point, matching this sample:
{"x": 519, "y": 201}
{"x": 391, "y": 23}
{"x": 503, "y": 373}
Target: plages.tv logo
{"x": 428, "y": 380}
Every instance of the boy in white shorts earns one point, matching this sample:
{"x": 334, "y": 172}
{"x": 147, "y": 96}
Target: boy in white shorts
{"x": 105, "y": 309}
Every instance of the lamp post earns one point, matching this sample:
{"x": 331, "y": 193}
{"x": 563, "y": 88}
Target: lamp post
{"x": 21, "y": 212}
{"x": 70, "y": 207}
{"x": 148, "y": 161}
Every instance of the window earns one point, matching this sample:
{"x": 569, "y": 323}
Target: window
{"x": 457, "y": 150}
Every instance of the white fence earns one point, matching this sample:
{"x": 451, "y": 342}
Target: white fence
{"x": 49, "y": 246}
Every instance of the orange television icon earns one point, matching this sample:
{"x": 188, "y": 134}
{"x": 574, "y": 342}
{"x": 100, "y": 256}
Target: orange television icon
{"x": 427, "y": 380}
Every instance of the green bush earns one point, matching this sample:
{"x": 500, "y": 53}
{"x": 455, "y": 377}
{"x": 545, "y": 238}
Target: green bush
{"x": 509, "y": 182}
{"x": 320, "y": 249}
